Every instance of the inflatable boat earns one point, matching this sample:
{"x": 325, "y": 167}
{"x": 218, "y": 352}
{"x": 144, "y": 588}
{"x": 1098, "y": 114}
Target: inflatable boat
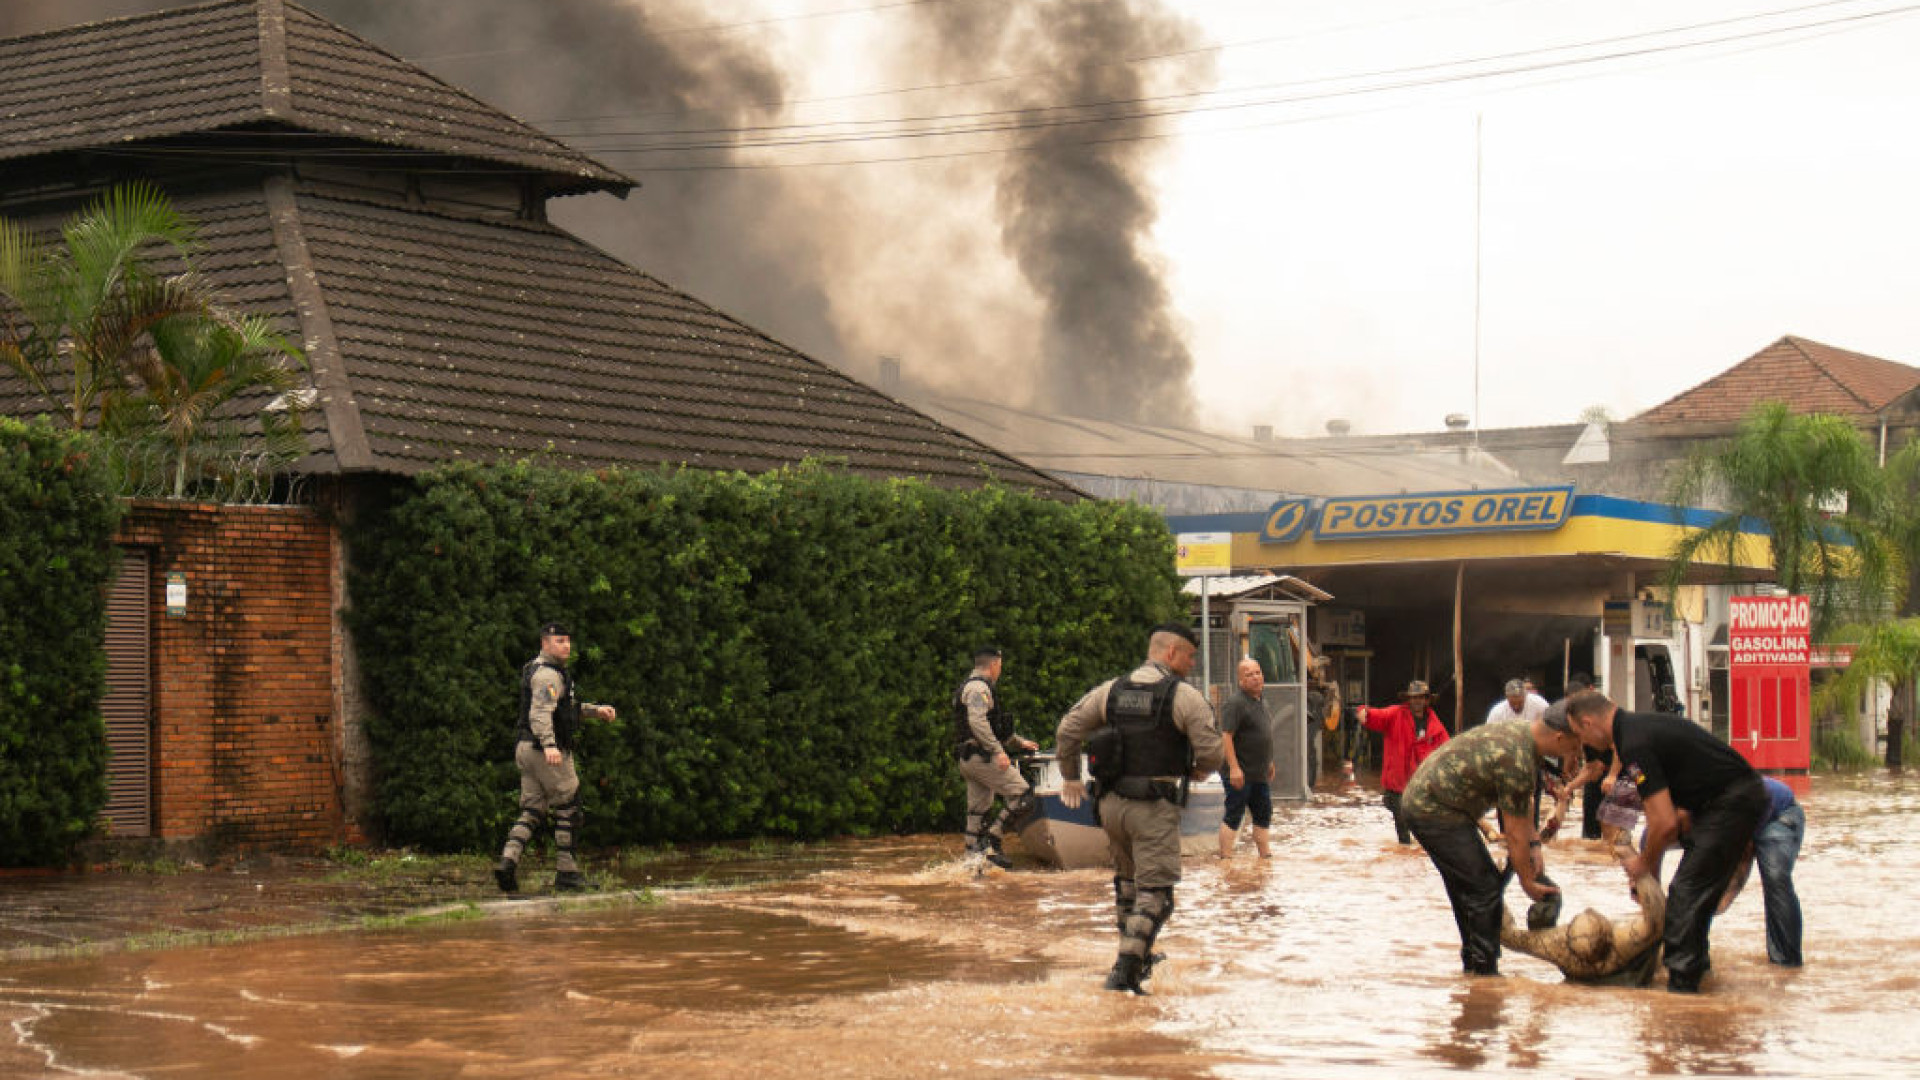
{"x": 1068, "y": 838}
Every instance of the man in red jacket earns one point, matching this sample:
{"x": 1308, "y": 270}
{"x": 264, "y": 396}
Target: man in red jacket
{"x": 1410, "y": 732}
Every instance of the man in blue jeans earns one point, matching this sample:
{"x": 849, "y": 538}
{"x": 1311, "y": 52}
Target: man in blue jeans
{"x": 1775, "y": 847}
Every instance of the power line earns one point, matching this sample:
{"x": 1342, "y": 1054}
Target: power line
{"x": 1805, "y": 32}
{"x": 1036, "y": 118}
{"x": 709, "y": 28}
{"x": 1145, "y": 58}
{"x": 992, "y": 122}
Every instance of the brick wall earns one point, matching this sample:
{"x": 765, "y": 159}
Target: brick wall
{"x": 245, "y": 731}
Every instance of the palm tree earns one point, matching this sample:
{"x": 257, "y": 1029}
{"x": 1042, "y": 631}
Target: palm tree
{"x": 1813, "y": 482}
{"x": 1881, "y": 652}
{"x": 197, "y": 365}
{"x": 73, "y": 314}
{"x": 1891, "y": 651}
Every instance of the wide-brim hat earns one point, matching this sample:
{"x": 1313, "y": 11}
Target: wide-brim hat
{"x": 1416, "y": 688}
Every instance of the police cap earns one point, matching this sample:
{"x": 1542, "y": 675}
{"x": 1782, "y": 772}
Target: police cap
{"x": 554, "y": 629}
{"x": 1179, "y": 630}
{"x": 986, "y": 654}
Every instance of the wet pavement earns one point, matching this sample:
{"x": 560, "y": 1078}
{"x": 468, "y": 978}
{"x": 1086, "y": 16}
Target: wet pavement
{"x": 892, "y": 958}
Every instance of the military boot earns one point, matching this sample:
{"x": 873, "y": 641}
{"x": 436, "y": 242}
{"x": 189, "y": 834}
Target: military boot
{"x": 995, "y": 855}
{"x": 507, "y": 876}
{"x": 1126, "y": 975}
{"x": 569, "y": 881}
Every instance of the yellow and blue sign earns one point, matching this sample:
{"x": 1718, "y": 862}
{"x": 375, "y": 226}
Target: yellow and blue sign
{"x": 1203, "y": 554}
{"x": 1286, "y": 520}
{"x": 1428, "y": 514}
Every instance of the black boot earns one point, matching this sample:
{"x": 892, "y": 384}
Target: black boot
{"x": 507, "y": 876}
{"x": 988, "y": 848}
{"x": 569, "y": 881}
{"x": 1126, "y": 975}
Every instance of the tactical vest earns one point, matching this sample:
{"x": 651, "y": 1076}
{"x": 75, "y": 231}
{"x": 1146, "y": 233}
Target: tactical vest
{"x": 1142, "y": 712}
{"x": 566, "y": 711}
{"x": 997, "y": 718}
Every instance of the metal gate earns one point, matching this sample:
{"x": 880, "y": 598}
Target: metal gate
{"x": 128, "y": 707}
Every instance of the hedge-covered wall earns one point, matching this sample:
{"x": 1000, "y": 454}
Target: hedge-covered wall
{"x": 781, "y": 647}
{"x": 57, "y": 520}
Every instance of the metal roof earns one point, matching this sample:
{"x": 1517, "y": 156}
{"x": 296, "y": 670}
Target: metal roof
{"x": 1196, "y": 471}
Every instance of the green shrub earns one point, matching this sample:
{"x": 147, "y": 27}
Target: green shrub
{"x": 782, "y": 647}
{"x": 57, "y": 521}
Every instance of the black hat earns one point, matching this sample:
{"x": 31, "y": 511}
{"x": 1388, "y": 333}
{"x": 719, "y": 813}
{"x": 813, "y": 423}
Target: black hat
{"x": 985, "y": 653}
{"x": 554, "y": 629}
{"x": 1179, "y": 630}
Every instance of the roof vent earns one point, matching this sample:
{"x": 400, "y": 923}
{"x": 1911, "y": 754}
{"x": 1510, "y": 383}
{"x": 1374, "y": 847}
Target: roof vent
{"x": 890, "y": 373}
{"x": 1337, "y": 426}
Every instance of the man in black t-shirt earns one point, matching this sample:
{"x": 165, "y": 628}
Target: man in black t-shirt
{"x": 1682, "y": 767}
{"x": 1247, "y": 737}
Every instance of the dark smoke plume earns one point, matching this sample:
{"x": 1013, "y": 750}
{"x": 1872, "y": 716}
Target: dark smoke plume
{"x": 1062, "y": 309}
{"x": 1076, "y": 211}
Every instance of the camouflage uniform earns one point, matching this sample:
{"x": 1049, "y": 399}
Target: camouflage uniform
{"x": 1143, "y": 834}
{"x": 1490, "y": 767}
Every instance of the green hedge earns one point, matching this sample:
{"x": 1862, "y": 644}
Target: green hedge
{"x": 781, "y": 647}
{"x": 57, "y": 521}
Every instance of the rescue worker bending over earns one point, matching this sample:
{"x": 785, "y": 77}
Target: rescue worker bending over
{"x": 1145, "y": 735}
{"x": 983, "y": 732}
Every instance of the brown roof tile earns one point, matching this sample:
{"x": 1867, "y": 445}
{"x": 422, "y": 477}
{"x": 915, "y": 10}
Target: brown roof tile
{"x": 238, "y": 64}
{"x": 1808, "y": 376}
{"x": 462, "y": 339}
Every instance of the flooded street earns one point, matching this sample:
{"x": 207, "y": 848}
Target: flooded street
{"x": 1336, "y": 958}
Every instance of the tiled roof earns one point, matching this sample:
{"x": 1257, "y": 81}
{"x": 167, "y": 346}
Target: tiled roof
{"x": 436, "y": 338}
{"x": 123, "y": 84}
{"x": 1808, "y": 376}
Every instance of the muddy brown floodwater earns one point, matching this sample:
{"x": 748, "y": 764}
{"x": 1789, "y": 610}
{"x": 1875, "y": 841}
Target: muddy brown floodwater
{"x": 1336, "y": 958}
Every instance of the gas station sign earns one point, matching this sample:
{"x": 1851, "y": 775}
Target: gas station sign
{"x": 1768, "y": 642}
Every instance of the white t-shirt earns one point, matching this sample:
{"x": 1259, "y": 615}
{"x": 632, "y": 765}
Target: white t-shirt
{"x": 1532, "y": 709}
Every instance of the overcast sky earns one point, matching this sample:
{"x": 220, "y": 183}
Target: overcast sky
{"x": 1644, "y": 222}
{"x": 1664, "y": 187}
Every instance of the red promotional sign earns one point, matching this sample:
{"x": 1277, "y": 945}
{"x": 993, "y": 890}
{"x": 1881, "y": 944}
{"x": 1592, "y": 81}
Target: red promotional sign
{"x": 1768, "y": 643}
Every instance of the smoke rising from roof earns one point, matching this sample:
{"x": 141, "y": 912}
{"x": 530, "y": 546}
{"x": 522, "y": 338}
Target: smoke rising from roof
{"x": 1025, "y": 276}
{"x": 1076, "y": 211}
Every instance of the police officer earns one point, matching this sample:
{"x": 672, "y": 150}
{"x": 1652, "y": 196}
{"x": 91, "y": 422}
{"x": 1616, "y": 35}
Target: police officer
{"x": 1146, "y": 734}
{"x": 983, "y": 732}
{"x": 549, "y": 723}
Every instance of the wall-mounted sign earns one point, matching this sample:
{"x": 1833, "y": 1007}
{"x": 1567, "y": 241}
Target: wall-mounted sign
{"x": 176, "y": 592}
{"x": 1286, "y": 520}
{"x": 1343, "y": 626}
{"x": 1203, "y": 554}
{"x": 1437, "y": 513}
{"x": 1635, "y": 619}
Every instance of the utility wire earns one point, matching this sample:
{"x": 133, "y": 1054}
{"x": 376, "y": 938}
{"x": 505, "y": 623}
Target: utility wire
{"x": 1040, "y": 116}
{"x": 1765, "y": 38}
{"x": 1146, "y": 58}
